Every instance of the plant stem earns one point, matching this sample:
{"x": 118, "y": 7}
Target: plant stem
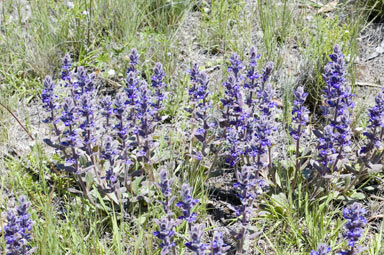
{"x": 297, "y": 169}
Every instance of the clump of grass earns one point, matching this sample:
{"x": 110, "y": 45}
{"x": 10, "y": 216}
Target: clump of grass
{"x": 36, "y": 33}
{"x": 276, "y": 21}
{"x": 373, "y": 8}
{"x": 315, "y": 45}
{"x": 224, "y": 26}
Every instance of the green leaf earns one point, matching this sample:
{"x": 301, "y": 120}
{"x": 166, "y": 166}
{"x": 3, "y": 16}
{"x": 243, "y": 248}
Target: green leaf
{"x": 358, "y": 195}
{"x": 136, "y": 184}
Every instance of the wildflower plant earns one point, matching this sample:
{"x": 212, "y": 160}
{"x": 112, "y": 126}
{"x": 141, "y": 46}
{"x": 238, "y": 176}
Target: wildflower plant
{"x": 336, "y": 139}
{"x": 102, "y": 136}
{"x": 375, "y": 130}
{"x": 165, "y": 185}
{"x": 104, "y": 141}
{"x": 195, "y": 243}
{"x": 250, "y": 187}
{"x": 217, "y": 245}
{"x": 202, "y": 121}
{"x": 165, "y": 234}
{"x": 300, "y": 118}
{"x": 354, "y": 228}
{"x": 166, "y": 224}
{"x": 187, "y": 205}
{"x": 249, "y": 112}
{"x": 17, "y": 231}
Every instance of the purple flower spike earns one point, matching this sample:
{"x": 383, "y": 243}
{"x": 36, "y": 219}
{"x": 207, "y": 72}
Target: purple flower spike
{"x": 165, "y": 235}
{"x": 253, "y": 57}
{"x": 165, "y": 183}
{"x": 17, "y": 232}
{"x": 250, "y": 187}
{"x": 232, "y": 99}
{"x": 195, "y": 245}
{"x": 194, "y": 73}
{"x": 106, "y": 110}
{"x": 119, "y": 108}
{"x": 69, "y": 112}
{"x": 199, "y": 90}
{"x": 109, "y": 148}
{"x": 158, "y": 84}
{"x": 266, "y": 74}
{"x": 353, "y": 230}
{"x": 236, "y": 65}
{"x": 48, "y": 97}
{"x": 158, "y": 76}
{"x": 322, "y": 249}
{"x": 218, "y": 247}
{"x": 86, "y": 110}
{"x": 187, "y": 204}
{"x": 338, "y": 98}
{"x": 131, "y": 90}
{"x": 134, "y": 60}
{"x": 253, "y": 76}
{"x": 235, "y": 147}
{"x": 376, "y": 124}
{"x": 67, "y": 63}
{"x": 299, "y": 113}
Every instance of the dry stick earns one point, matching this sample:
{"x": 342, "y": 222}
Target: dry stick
{"x": 18, "y": 121}
{"x": 368, "y": 84}
{"x": 26, "y": 131}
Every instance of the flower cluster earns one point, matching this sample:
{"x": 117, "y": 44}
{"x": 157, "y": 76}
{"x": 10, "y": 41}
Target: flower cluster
{"x": 195, "y": 244}
{"x": 109, "y": 152}
{"x": 376, "y": 124}
{"x": 166, "y": 224}
{"x": 300, "y": 118}
{"x": 66, "y": 68}
{"x": 250, "y": 187}
{"x": 248, "y": 116}
{"x": 200, "y": 106}
{"x": 300, "y": 114}
{"x": 196, "y": 231}
{"x": 165, "y": 185}
{"x": 165, "y": 234}
{"x": 338, "y": 99}
{"x": 355, "y": 216}
{"x": 104, "y": 133}
{"x": 217, "y": 246}
{"x": 18, "y": 229}
{"x": 48, "y": 97}
{"x": 187, "y": 204}
{"x": 253, "y": 76}
{"x": 158, "y": 85}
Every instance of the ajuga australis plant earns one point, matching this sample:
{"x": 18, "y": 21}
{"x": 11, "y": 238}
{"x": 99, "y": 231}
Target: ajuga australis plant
{"x": 217, "y": 246}
{"x": 102, "y": 137}
{"x": 17, "y": 231}
{"x": 354, "y": 228}
{"x": 248, "y": 115}
{"x": 166, "y": 224}
{"x": 250, "y": 187}
{"x": 300, "y": 117}
{"x": 335, "y": 140}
